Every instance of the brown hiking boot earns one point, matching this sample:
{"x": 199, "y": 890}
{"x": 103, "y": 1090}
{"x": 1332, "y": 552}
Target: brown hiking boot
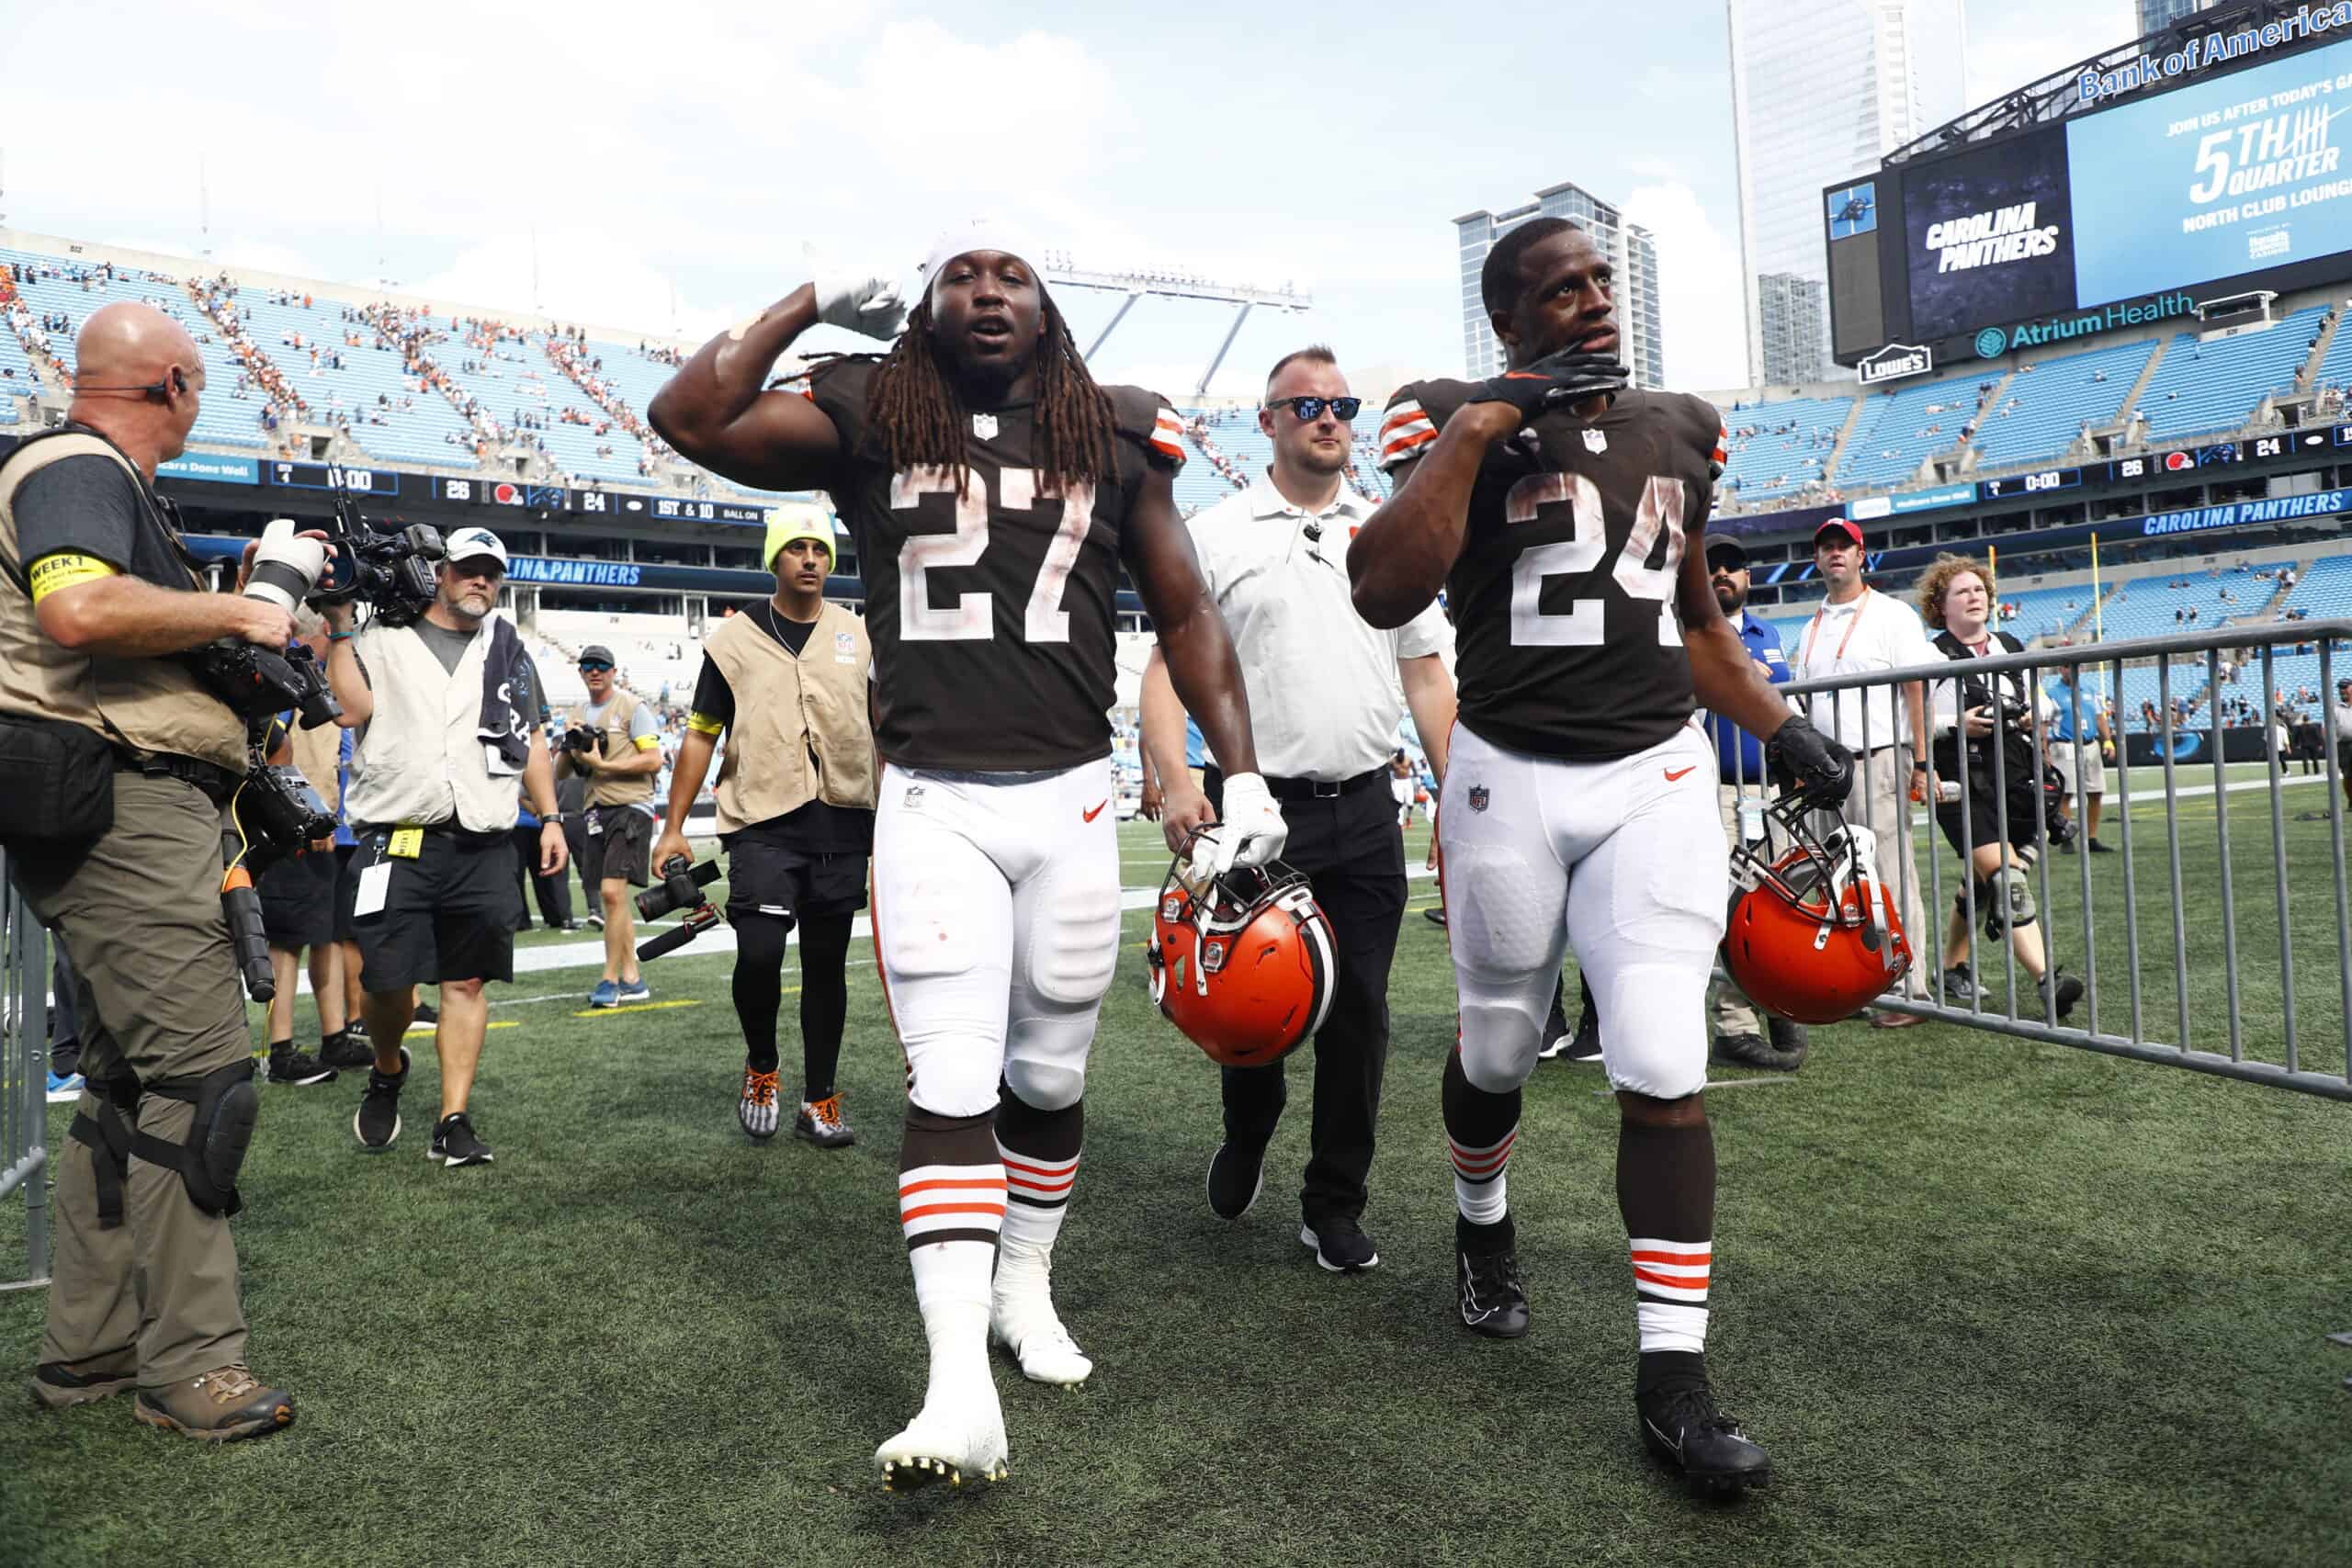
{"x": 63, "y": 1384}
{"x": 217, "y": 1406}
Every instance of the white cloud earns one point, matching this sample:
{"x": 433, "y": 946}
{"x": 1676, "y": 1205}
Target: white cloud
{"x": 1702, "y": 308}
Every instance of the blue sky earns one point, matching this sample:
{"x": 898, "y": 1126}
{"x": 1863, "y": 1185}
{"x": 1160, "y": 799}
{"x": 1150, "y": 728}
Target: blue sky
{"x": 685, "y": 162}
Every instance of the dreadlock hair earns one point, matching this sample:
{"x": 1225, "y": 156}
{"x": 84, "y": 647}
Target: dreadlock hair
{"x": 919, "y": 419}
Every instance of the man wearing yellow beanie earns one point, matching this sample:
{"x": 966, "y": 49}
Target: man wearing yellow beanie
{"x": 786, "y": 683}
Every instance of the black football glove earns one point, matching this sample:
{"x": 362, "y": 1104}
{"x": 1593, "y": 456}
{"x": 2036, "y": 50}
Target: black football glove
{"x": 1568, "y": 376}
{"x": 1804, "y": 764}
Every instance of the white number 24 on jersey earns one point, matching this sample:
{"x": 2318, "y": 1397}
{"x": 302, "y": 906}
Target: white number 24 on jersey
{"x": 1580, "y": 625}
{"x": 973, "y": 617}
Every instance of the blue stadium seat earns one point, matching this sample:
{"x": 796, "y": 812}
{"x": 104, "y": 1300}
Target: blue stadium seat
{"x": 1777, "y": 448}
{"x": 1900, "y": 429}
{"x": 2200, "y": 388}
{"x": 2046, "y": 405}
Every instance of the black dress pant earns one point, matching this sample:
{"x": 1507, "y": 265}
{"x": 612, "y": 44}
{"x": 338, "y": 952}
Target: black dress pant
{"x": 1352, "y": 851}
{"x": 554, "y": 892}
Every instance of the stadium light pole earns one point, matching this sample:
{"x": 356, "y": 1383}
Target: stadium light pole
{"x": 1174, "y": 284}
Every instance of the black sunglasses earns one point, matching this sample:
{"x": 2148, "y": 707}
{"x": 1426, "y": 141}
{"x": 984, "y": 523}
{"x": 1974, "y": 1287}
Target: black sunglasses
{"x": 593, "y": 669}
{"x": 1308, "y": 409}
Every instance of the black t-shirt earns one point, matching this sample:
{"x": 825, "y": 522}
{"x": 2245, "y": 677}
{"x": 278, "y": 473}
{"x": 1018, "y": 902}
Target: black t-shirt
{"x": 1568, "y": 640}
{"x": 91, "y": 505}
{"x": 819, "y": 826}
{"x": 990, "y": 612}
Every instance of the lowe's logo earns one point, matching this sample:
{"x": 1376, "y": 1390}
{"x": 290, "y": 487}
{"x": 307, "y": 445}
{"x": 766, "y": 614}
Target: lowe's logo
{"x": 1895, "y": 361}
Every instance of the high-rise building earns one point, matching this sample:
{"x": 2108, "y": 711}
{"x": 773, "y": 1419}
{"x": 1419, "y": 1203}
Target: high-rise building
{"x": 1822, "y": 89}
{"x": 1628, "y": 246}
{"x": 1795, "y": 314}
{"x": 2155, "y": 14}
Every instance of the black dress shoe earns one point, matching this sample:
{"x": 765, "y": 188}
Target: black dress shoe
{"x": 1790, "y": 1039}
{"x": 1751, "y": 1051}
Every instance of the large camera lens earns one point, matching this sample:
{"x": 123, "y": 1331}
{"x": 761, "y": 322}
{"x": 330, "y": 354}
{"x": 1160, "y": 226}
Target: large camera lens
{"x": 284, "y": 571}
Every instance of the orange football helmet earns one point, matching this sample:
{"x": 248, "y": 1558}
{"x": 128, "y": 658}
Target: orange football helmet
{"x": 1813, "y": 933}
{"x": 1244, "y": 962}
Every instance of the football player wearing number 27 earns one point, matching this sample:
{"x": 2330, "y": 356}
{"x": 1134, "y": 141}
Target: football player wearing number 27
{"x": 1565, "y": 515}
{"x": 993, "y": 491}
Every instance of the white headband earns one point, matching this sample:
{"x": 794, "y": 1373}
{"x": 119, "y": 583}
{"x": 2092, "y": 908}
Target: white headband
{"x": 979, "y": 234}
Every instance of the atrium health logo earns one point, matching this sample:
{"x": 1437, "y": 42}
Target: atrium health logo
{"x": 1990, "y": 342}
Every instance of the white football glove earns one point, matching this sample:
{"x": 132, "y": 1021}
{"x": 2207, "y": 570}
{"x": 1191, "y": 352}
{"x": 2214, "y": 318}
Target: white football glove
{"x": 1251, "y": 831}
{"x": 863, "y": 302}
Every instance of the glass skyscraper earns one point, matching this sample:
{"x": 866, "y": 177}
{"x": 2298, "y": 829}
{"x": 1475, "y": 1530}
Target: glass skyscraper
{"x": 1628, "y": 246}
{"x": 1822, "y": 89}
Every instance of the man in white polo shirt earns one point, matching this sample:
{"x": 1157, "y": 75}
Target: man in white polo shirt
{"x": 1326, "y": 691}
{"x": 1856, "y": 631}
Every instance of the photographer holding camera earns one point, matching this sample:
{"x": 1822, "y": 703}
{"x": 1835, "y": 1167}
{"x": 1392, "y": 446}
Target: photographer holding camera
{"x": 116, "y": 760}
{"x": 785, "y": 682}
{"x": 445, "y": 751}
{"x": 1956, "y": 596}
{"x": 617, "y": 747}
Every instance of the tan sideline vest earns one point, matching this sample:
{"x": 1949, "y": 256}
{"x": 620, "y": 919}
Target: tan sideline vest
{"x": 152, "y": 706}
{"x": 786, "y": 707}
{"x": 605, "y": 789}
{"x": 319, "y": 754}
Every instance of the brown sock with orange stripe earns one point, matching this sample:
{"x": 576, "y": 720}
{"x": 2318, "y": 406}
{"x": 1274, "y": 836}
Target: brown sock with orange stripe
{"x": 1666, "y": 1190}
{"x": 951, "y": 1203}
{"x": 1040, "y": 1150}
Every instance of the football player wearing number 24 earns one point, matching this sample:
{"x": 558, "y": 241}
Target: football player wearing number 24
{"x": 1566, "y": 515}
{"x": 993, "y": 491}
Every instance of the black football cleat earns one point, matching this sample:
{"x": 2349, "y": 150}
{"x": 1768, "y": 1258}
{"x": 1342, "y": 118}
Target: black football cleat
{"x": 1486, "y": 1272}
{"x": 1682, "y": 1426}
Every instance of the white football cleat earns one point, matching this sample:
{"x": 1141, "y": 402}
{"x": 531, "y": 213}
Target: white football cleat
{"x": 1022, "y": 1318}
{"x": 959, "y": 1436}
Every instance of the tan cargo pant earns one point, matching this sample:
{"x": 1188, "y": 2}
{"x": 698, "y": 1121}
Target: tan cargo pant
{"x": 1728, "y": 1010}
{"x": 140, "y": 917}
{"x": 1881, "y": 802}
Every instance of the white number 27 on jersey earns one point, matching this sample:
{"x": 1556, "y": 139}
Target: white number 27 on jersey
{"x": 1580, "y": 625}
{"x": 973, "y": 617}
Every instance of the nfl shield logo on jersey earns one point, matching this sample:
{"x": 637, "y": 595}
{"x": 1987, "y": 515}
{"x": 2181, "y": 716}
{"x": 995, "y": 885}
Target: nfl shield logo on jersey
{"x": 1478, "y": 798}
{"x": 984, "y": 427}
{"x": 1595, "y": 442}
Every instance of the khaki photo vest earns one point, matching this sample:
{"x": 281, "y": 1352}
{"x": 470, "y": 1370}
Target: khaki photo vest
{"x": 149, "y": 706}
{"x": 801, "y": 731}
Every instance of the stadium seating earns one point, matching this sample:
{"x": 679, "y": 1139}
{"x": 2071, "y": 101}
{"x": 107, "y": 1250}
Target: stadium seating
{"x": 2200, "y": 388}
{"x": 224, "y": 418}
{"x": 2143, "y": 605}
{"x": 1777, "y": 448}
{"x": 2046, "y": 613}
{"x": 1898, "y": 431}
{"x": 427, "y": 431}
{"x": 2046, "y": 405}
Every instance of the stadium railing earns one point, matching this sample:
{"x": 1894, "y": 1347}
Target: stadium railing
{"x": 24, "y": 1075}
{"x": 2267, "y": 1000}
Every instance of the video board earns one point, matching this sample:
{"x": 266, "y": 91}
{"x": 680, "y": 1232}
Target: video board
{"x": 2112, "y": 219}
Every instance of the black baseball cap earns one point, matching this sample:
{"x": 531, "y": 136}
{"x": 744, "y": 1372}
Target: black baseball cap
{"x": 1731, "y": 550}
{"x": 596, "y": 653}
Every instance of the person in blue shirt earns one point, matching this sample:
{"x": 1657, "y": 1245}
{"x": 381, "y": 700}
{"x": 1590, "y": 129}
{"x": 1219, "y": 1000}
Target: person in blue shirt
{"x": 1741, "y": 791}
{"x": 2081, "y": 761}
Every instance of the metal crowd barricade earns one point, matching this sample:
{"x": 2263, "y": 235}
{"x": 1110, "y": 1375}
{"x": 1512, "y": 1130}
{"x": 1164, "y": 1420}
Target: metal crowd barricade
{"x": 2224, "y": 1042}
{"x": 24, "y": 1075}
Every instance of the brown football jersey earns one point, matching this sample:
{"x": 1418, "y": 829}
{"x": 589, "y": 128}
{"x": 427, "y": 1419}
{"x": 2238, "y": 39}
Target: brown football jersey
{"x": 990, "y": 611}
{"x": 1568, "y": 641}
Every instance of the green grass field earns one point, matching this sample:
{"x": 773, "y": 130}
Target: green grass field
{"x": 1984, "y": 1301}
